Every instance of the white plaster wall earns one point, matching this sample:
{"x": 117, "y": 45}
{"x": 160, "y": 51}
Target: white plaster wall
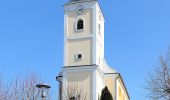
{"x": 82, "y": 46}
{"x": 99, "y": 37}
{"x": 100, "y": 84}
{"x": 79, "y": 76}
{"x": 73, "y": 19}
{"x": 82, "y": 81}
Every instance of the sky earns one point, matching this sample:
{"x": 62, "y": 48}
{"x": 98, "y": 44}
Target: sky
{"x": 137, "y": 32}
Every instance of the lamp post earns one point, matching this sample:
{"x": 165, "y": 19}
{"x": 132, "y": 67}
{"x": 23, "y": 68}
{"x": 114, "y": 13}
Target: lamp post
{"x": 59, "y": 79}
{"x": 44, "y": 90}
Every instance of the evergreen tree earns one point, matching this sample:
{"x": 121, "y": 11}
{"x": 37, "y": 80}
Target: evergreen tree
{"x": 106, "y": 95}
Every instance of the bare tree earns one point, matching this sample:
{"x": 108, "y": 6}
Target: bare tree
{"x": 74, "y": 92}
{"x": 158, "y": 83}
{"x": 25, "y": 89}
{"x": 22, "y": 88}
{"x": 4, "y": 89}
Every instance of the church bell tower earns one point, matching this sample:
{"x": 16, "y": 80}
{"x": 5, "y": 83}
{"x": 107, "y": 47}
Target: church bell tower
{"x": 83, "y": 33}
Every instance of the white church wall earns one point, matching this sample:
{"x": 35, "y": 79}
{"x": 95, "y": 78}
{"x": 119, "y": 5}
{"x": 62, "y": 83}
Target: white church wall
{"x": 82, "y": 81}
{"x": 99, "y": 52}
{"x": 100, "y": 84}
{"x": 110, "y": 83}
{"x": 72, "y": 22}
{"x": 94, "y": 34}
{"x": 79, "y": 46}
{"x": 81, "y": 77}
{"x": 100, "y": 32}
{"x": 99, "y": 35}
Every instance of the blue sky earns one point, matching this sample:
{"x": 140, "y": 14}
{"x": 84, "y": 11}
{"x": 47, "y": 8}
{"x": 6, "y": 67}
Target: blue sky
{"x": 137, "y": 32}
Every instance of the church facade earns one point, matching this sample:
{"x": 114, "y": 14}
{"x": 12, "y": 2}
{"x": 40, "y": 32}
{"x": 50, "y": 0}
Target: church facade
{"x": 85, "y": 72}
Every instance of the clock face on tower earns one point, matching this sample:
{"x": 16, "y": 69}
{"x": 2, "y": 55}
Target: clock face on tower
{"x": 79, "y": 9}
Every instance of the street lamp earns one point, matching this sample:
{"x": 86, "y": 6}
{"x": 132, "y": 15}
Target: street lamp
{"x": 44, "y": 90}
{"x": 59, "y": 79}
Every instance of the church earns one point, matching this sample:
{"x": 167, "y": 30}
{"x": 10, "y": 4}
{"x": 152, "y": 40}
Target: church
{"x": 85, "y": 72}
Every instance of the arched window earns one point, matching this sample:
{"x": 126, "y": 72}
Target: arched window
{"x": 80, "y": 24}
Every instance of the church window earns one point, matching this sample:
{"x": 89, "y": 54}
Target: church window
{"x": 80, "y": 24}
{"x": 78, "y": 57}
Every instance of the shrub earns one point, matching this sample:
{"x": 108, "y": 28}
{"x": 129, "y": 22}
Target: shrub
{"x": 106, "y": 95}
